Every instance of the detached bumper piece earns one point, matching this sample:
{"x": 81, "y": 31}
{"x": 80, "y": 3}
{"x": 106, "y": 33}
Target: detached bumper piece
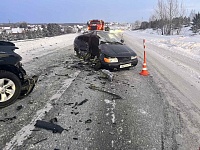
{"x": 49, "y": 126}
{"x": 28, "y": 85}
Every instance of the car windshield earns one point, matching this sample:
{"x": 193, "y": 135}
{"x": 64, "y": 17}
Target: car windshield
{"x": 95, "y": 22}
{"x": 108, "y": 37}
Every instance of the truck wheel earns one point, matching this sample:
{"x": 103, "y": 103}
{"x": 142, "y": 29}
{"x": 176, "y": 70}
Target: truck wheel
{"x": 10, "y": 88}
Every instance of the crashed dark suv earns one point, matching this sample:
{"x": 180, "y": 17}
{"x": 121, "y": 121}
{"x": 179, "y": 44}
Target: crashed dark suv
{"x": 14, "y": 82}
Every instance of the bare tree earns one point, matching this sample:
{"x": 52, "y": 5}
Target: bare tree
{"x": 171, "y": 11}
{"x": 160, "y": 14}
{"x": 166, "y": 12}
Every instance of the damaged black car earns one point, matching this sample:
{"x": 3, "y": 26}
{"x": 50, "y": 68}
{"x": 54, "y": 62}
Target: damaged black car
{"x": 14, "y": 82}
{"x": 106, "y": 49}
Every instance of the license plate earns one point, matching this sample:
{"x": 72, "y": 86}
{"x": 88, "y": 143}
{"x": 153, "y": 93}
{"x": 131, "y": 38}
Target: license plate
{"x": 125, "y": 65}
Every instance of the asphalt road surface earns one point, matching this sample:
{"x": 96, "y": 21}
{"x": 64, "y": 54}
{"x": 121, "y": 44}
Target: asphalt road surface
{"x": 133, "y": 112}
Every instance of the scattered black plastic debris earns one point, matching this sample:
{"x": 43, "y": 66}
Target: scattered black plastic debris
{"x": 68, "y": 128}
{"x": 103, "y": 83}
{"x": 68, "y": 104}
{"x": 75, "y": 105}
{"x": 66, "y": 75}
{"x": 84, "y": 101}
{"x": 53, "y": 120}
{"x": 40, "y": 141}
{"x": 87, "y": 129}
{"x": 93, "y": 87}
{"x": 80, "y": 121}
{"x": 19, "y": 107}
{"x": 35, "y": 130}
{"x": 88, "y": 121}
{"x": 5, "y": 114}
{"x": 56, "y": 149}
{"x": 75, "y": 138}
{"x": 76, "y": 113}
{"x": 90, "y": 73}
{"x": 49, "y": 126}
{"x": 8, "y": 119}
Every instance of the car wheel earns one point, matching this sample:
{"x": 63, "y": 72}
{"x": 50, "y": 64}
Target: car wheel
{"x": 76, "y": 52}
{"x": 97, "y": 65}
{"x": 10, "y": 88}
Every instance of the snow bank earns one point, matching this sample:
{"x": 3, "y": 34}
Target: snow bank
{"x": 29, "y": 49}
{"x": 186, "y": 44}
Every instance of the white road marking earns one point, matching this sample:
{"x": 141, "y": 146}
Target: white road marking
{"x": 24, "y": 133}
{"x": 112, "y": 142}
{"x": 113, "y": 103}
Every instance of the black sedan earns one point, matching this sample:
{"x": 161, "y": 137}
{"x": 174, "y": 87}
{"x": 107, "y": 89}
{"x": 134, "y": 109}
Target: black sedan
{"x": 106, "y": 49}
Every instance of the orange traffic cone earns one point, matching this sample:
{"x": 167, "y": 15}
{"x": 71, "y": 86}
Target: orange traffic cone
{"x": 144, "y": 71}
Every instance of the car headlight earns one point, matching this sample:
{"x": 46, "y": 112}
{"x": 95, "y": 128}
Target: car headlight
{"x": 133, "y": 57}
{"x": 110, "y": 60}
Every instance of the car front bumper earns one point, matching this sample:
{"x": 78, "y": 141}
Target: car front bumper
{"x": 28, "y": 85}
{"x": 120, "y": 65}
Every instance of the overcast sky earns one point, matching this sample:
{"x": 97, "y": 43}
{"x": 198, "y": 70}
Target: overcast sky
{"x": 80, "y": 11}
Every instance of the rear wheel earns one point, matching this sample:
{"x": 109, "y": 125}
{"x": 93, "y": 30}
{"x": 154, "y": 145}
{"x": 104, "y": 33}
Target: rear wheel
{"x": 97, "y": 65}
{"x": 10, "y": 88}
{"x": 76, "y": 52}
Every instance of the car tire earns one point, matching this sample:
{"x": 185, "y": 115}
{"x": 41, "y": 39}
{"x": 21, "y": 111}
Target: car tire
{"x": 10, "y": 88}
{"x": 97, "y": 65}
{"x": 76, "y": 52}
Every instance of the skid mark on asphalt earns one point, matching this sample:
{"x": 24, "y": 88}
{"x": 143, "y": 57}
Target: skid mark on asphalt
{"x": 24, "y": 133}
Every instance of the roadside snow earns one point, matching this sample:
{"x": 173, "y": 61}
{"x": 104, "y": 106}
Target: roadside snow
{"x": 186, "y": 44}
{"x": 30, "y": 49}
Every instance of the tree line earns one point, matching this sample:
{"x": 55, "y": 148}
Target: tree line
{"x": 170, "y": 17}
{"x": 49, "y": 30}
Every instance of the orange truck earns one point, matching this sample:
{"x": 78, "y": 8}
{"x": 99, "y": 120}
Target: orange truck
{"x": 95, "y": 25}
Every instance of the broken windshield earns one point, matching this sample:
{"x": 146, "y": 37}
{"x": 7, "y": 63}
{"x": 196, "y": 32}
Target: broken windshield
{"x": 108, "y": 37}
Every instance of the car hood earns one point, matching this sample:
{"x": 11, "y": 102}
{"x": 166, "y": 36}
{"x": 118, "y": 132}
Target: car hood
{"x": 116, "y": 50}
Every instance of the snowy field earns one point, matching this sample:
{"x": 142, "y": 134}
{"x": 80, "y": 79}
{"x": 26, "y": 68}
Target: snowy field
{"x": 186, "y": 43}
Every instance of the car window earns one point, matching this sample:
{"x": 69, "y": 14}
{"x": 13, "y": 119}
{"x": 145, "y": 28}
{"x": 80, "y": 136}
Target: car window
{"x": 108, "y": 37}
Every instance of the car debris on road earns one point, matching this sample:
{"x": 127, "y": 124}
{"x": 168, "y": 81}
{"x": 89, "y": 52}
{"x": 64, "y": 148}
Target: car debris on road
{"x": 49, "y": 126}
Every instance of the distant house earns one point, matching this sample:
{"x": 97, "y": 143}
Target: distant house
{"x": 6, "y": 30}
{"x": 17, "y": 30}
